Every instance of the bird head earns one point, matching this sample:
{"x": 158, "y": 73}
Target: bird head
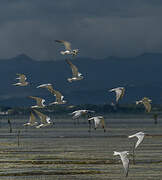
{"x": 75, "y": 52}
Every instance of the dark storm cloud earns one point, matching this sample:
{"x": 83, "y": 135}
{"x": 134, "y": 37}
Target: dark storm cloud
{"x": 98, "y": 28}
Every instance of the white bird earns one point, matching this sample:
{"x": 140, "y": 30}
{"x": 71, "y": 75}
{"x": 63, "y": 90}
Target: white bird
{"x": 78, "y": 113}
{"x": 120, "y": 91}
{"x": 140, "y": 136}
{"x": 57, "y": 94}
{"x": 68, "y": 50}
{"x": 39, "y": 101}
{"x": 146, "y": 102}
{"x": 22, "y": 80}
{"x": 123, "y": 155}
{"x": 45, "y": 120}
{"x": 97, "y": 121}
{"x": 32, "y": 120}
{"x": 76, "y": 75}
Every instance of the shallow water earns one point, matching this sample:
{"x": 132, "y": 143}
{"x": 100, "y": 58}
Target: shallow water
{"x": 68, "y": 151}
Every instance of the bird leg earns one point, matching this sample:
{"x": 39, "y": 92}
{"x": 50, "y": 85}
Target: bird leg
{"x": 104, "y": 128}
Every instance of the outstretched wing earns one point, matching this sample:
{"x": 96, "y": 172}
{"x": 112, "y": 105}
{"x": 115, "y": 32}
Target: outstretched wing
{"x": 42, "y": 116}
{"x": 77, "y": 114}
{"x": 66, "y": 44}
{"x": 73, "y": 68}
{"x": 103, "y": 122}
{"x": 47, "y": 86}
{"x": 32, "y": 119}
{"x": 59, "y": 96}
{"x": 125, "y": 162}
{"x": 123, "y": 92}
{"x": 140, "y": 139}
{"x": 147, "y": 106}
{"x": 97, "y": 121}
{"x": 38, "y": 100}
{"x": 118, "y": 94}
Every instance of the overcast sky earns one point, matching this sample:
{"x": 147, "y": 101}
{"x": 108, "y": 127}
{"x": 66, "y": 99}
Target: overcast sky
{"x": 99, "y": 28}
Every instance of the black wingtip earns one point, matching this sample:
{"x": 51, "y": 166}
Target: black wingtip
{"x": 58, "y": 41}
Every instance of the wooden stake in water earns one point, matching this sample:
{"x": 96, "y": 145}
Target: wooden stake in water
{"x": 155, "y": 118}
{"x": 10, "y": 125}
{"x": 89, "y": 126}
{"x": 134, "y": 162}
{"x": 18, "y": 138}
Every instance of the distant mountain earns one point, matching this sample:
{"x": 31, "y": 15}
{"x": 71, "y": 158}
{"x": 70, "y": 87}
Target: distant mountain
{"x": 141, "y": 75}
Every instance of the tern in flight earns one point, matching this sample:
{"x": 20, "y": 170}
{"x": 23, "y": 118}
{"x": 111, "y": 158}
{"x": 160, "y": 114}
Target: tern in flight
{"x": 146, "y": 102}
{"x": 79, "y": 113}
{"x": 57, "y": 94}
{"x": 22, "y": 80}
{"x": 97, "y": 121}
{"x": 120, "y": 91}
{"x": 32, "y": 120}
{"x": 39, "y": 101}
{"x": 123, "y": 155}
{"x": 140, "y": 136}
{"x": 45, "y": 120}
{"x": 68, "y": 50}
{"x": 76, "y": 75}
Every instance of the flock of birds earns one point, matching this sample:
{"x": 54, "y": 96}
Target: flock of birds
{"x": 59, "y": 99}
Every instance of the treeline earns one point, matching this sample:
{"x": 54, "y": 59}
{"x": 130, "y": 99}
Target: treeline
{"x": 103, "y": 108}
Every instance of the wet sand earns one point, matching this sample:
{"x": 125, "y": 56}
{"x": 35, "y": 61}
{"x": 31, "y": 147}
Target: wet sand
{"x": 69, "y": 151}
